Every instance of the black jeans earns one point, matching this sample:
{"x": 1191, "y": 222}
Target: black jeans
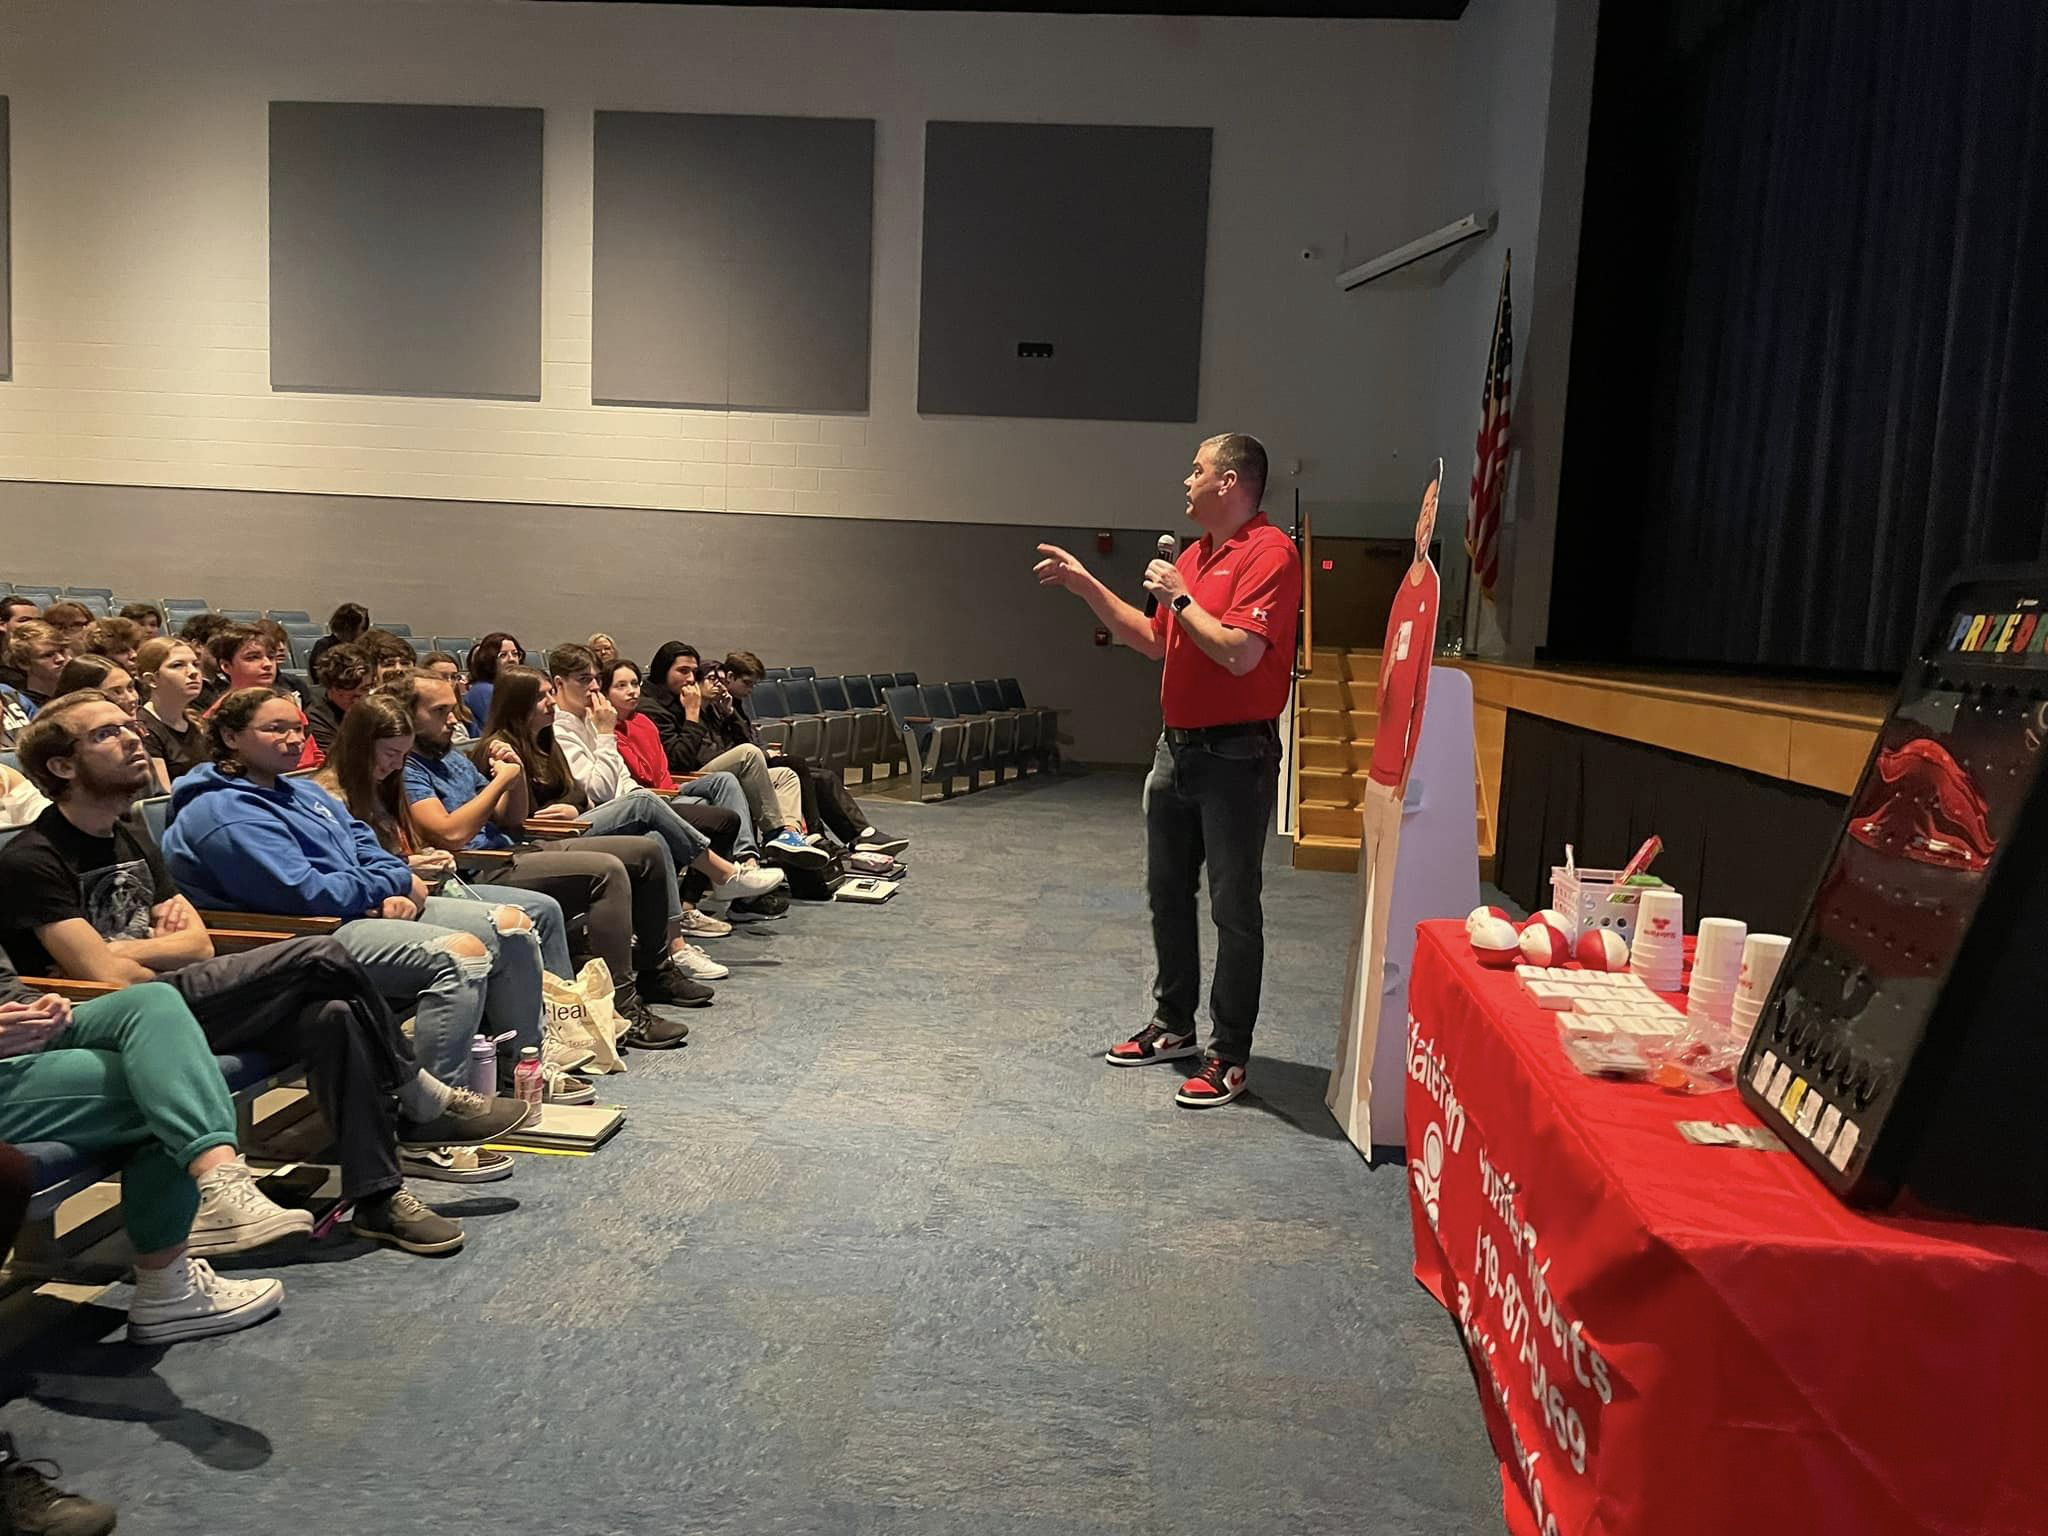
{"x": 1210, "y": 802}
{"x": 718, "y": 824}
{"x": 308, "y": 1000}
{"x": 17, "y": 1185}
{"x": 615, "y": 883}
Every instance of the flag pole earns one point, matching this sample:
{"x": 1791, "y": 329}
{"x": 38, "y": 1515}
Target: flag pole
{"x": 1466, "y": 619}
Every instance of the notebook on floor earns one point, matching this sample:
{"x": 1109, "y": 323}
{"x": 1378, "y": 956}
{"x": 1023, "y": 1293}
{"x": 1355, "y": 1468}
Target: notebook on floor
{"x": 866, "y": 889}
{"x": 577, "y": 1127}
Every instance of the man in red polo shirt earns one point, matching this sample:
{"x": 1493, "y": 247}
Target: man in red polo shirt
{"x": 1225, "y": 628}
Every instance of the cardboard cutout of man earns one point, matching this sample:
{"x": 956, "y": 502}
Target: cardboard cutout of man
{"x": 1403, "y": 687}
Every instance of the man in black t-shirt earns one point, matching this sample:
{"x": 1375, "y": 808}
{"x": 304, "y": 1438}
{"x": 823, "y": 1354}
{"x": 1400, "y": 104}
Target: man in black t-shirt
{"x": 83, "y": 894}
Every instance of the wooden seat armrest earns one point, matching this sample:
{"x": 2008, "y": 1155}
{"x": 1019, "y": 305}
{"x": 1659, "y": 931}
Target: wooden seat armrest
{"x": 481, "y": 856}
{"x": 232, "y": 941}
{"x": 64, "y": 986}
{"x": 555, "y": 830}
{"x": 269, "y": 922}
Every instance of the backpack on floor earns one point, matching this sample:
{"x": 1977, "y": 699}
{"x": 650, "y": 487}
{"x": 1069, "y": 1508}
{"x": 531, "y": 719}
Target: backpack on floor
{"x": 816, "y": 882}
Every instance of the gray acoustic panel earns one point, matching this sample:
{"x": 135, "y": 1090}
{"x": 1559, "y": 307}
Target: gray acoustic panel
{"x": 405, "y": 249}
{"x": 6, "y": 265}
{"x": 1063, "y": 271}
{"x": 731, "y": 261}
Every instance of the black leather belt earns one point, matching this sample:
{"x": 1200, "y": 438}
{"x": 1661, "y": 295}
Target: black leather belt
{"x": 1176, "y": 737}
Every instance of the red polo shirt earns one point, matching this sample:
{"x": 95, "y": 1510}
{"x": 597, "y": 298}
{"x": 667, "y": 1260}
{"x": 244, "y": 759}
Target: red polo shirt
{"x": 1251, "y": 581}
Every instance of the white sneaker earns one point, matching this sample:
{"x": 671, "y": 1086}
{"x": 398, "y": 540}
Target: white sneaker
{"x": 698, "y": 924}
{"x": 209, "y": 1304}
{"x": 746, "y": 884}
{"x": 235, "y": 1216}
{"x": 697, "y": 965}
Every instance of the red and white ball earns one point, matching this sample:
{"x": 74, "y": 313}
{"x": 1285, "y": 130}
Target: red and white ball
{"x": 1602, "y": 949}
{"x": 1494, "y": 941}
{"x": 1543, "y": 943}
{"x": 1557, "y": 920}
{"x": 1479, "y": 914}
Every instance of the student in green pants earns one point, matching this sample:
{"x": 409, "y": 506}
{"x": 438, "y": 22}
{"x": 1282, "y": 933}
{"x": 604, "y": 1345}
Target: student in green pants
{"x": 132, "y": 1069}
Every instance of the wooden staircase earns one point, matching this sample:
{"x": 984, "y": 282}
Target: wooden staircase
{"x": 1335, "y": 724}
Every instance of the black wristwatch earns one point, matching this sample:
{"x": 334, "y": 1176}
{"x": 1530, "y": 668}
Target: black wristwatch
{"x": 1180, "y": 604}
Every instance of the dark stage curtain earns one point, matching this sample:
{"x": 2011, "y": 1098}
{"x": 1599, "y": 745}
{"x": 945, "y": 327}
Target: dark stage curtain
{"x": 1810, "y": 366}
{"x": 1737, "y": 844}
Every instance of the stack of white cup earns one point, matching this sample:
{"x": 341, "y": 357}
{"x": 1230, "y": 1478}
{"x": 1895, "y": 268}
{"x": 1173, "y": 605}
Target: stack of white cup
{"x": 1716, "y": 968}
{"x": 1761, "y": 957}
{"x": 1657, "y": 952}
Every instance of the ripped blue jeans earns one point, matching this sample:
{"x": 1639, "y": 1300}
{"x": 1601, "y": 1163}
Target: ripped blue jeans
{"x": 418, "y": 965}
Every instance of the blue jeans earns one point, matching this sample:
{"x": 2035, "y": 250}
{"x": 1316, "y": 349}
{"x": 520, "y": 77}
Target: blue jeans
{"x": 1210, "y": 803}
{"x": 724, "y": 791}
{"x": 452, "y": 996}
{"x": 547, "y": 917}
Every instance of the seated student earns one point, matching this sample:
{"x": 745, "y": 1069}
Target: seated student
{"x": 447, "y": 666}
{"x": 171, "y": 680}
{"x": 198, "y": 632}
{"x": 674, "y": 701}
{"x": 603, "y": 649}
{"x": 146, "y": 615}
{"x": 132, "y": 1069}
{"x": 626, "y": 885}
{"x": 485, "y": 657}
{"x": 116, "y": 639}
{"x": 827, "y": 800}
{"x": 245, "y": 659}
{"x": 100, "y": 674}
{"x": 36, "y": 653}
{"x": 522, "y": 717}
{"x": 639, "y": 747}
{"x": 345, "y": 626}
{"x": 70, "y": 620}
{"x": 84, "y": 895}
{"x": 31, "y": 1503}
{"x": 344, "y": 677}
{"x": 390, "y": 655}
{"x": 365, "y": 773}
{"x": 280, "y": 642}
{"x": 245, "y": 837}
{"x": 13, "y": 609}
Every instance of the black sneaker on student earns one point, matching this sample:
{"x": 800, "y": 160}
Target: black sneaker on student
{"x": 405, "y": 1221}
{"x": 1155, "y": 1042}
{"x": 872, "y": 841}
{"x": 470, "y": 1120}
{"x": 31, "y": 1503}
{"x": 760, "y": 909}
{"x": 649, "y": 1031}
{"x": 670, "y": 988}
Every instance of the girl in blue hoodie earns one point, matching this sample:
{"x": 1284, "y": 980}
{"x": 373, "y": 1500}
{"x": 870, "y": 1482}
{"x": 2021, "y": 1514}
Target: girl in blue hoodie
{"x": 245, "y": 837}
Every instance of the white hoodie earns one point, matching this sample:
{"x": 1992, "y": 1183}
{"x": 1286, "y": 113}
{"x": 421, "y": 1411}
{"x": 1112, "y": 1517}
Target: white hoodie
{"x": 594, "y": 760}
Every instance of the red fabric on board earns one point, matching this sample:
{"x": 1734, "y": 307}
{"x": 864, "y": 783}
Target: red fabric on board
{"x": 1773, "y": 1360}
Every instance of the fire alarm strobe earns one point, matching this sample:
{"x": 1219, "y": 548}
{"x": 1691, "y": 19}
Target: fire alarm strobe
{"x": 1901, "y": 1052}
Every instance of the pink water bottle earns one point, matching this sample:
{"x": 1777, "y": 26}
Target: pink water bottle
{"x": 527, "y": 1086}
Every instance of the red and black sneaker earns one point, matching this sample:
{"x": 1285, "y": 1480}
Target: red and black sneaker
{"x": 1218, "y": 1082}
{"x": 1155, "y": 1042}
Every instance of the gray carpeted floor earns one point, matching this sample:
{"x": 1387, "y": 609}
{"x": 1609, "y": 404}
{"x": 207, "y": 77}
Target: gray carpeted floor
{"x": 886, "y": 1249}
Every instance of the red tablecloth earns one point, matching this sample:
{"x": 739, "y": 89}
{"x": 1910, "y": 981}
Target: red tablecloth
{"x": 1672, "y": 1338}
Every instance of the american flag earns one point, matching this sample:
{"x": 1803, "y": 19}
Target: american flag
{"x": 1490, "y": 451}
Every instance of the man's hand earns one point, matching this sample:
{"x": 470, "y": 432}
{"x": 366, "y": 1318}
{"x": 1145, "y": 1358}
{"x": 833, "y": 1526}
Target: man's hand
{"x": 1163, "y": 581}
{"x": 563, "y": 812}
{"x": 692, "y": 699}
{"x": 401, "y": 908}
{"x": 173, "y": 916}
{"x": 604, "y": 715}
{"x": 27, "y": 1027}
{"x": 1059, "y": 569}
{"x": 504, "y": 761}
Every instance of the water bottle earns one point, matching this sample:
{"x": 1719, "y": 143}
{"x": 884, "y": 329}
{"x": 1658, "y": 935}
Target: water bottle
{"x": 527, "y": 1086}
{"x": 483, "y": 1065}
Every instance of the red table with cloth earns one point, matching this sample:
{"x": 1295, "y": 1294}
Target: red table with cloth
{"x": 1671, "y": 1338}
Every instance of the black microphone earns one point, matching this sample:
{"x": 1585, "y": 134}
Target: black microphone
{"x": 1169, "y": 547}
